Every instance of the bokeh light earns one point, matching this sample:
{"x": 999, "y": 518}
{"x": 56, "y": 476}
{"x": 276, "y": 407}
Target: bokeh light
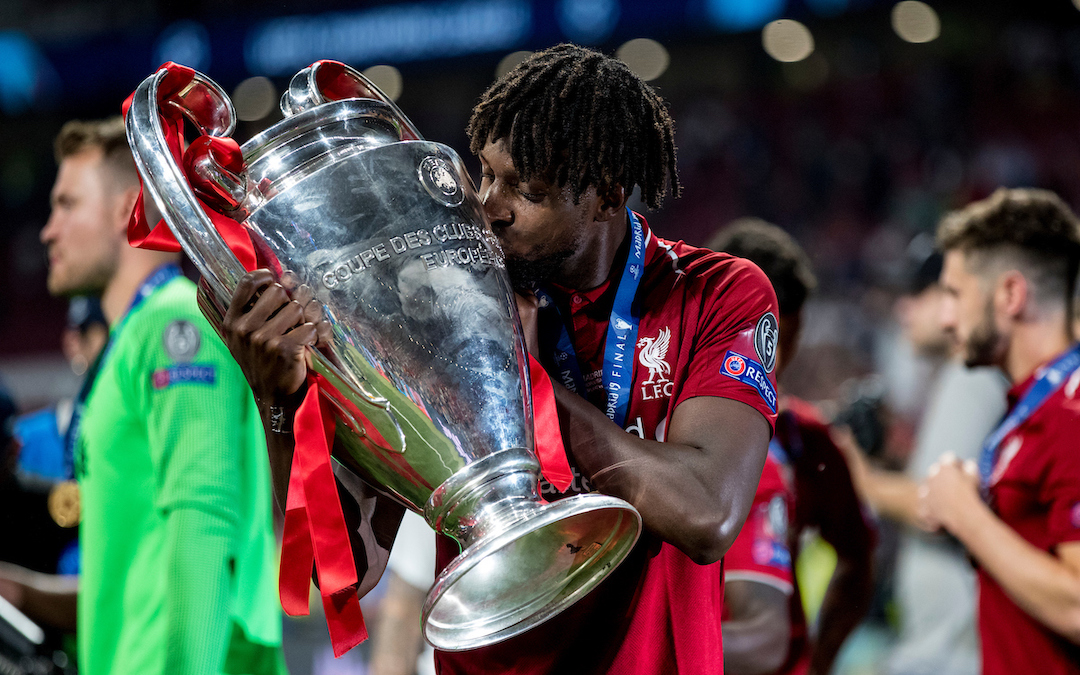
{"x": 647, "y": 58}
{"x": 387, "y": 78}
{"x": 787, "y": 40}
{"x": 509, "y": 62}
{"x": 254, "y": 98}
{"x": 916, "y": 21}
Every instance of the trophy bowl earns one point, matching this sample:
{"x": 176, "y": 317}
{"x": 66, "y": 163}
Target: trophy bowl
{"x": 424, "y": 367}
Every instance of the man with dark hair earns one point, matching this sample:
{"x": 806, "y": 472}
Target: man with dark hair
{"x": 805, "y": 485}
{"x": 176, "y": 537}
{"x": 563, "y": 140}
{"x": 1010, "y": 265}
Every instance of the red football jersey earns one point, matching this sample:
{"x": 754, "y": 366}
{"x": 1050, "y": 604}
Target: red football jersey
{"x": 761, "y": 552}
{"x": 817, "y": 486}
{"x": 658, "y": 612}
{"x": 1034, "y": 489}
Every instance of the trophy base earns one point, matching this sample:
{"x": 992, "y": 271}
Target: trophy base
{"x": 512, "y": 580}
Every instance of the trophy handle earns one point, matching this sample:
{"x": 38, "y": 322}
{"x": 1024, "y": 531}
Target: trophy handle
{"x": 207, "y": 107}
{"x": 204, "y": 103}
{"x": 326, "y": 80}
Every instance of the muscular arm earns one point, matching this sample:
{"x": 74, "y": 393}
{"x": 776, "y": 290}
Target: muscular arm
{"x": 695, "y": 489}
{"x": 1044, "y": 585}
{"x": 890, "y": 493}
{"x": 757, "y": 630}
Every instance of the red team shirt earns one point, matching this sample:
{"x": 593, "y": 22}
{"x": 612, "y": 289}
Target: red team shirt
{"x": 807, "y": 477}
{"x": 658, "y": 612}
{"x": 1035, "y": 490}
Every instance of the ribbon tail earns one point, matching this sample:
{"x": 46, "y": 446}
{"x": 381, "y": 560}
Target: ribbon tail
{"x": 297, "y": 552}
{"x": 344, "y": 620}
{"x": 329, "y": 535}
{"x": 546, "y": 431}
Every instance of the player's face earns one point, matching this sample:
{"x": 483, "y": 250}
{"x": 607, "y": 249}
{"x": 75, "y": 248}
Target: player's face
{"x": 968, "y": 313}
{"x": 81, "y": 236}
{"x": 542, "y": 231}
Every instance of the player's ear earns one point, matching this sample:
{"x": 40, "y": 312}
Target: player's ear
{"x": 610, "y": 201}
{"x": 1012, "y": 293}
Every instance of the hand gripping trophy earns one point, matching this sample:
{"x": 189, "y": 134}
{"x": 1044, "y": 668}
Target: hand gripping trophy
{"x": 424, "y": 369}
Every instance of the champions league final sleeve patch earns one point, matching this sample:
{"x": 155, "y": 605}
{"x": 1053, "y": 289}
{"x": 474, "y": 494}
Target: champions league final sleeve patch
{"x": 748, "y": 371}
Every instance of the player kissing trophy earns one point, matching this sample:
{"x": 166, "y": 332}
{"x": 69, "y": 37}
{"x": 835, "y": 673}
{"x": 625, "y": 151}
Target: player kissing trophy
{"x": 424, "y": 369}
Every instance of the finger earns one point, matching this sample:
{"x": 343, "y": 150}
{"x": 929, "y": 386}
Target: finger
{"x": 245, "y": 292}
{"x": 948, "y": 458}
{"x": 274, "y": 298}
{"x": 284, "y": 319}
{"x": 305, "y": 334}
{"x": 934, "y": 469}
{"x": 971, "y": 468}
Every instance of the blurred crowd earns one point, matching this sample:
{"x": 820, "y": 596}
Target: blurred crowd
{"x": 837, "y": 185}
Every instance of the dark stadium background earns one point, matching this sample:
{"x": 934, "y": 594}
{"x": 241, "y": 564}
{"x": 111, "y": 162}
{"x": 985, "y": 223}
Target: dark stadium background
{"x": 854, "y": 149}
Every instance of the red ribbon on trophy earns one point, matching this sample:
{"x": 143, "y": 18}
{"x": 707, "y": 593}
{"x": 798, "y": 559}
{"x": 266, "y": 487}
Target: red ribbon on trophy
{"x": 226, "y": 153}
{"x": 315, "y": 532}
{"x": 546, "y": 431}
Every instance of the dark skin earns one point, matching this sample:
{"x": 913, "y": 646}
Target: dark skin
{"x": 693, "y": 491}
{"x": 758, "y": 629}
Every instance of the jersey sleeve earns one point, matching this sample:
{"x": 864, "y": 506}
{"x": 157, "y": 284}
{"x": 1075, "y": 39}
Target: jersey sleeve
{"x": 760, "y": 553}
{"x": 194, "y": 401}
{"x": 736, "y": 346}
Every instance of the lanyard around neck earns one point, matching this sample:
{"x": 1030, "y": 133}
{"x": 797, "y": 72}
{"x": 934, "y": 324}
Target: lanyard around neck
{"x": 158, "y": 278}
{"x": 619, "y": 342}
{"x": 1049, "y": 379}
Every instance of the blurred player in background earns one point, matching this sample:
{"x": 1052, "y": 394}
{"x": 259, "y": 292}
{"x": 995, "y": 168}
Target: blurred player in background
{"x": 1010, "y": 264}
{"x": 805, "y": 484}
{"x": 176, "y": 538}
{"x": 934, "y": 584}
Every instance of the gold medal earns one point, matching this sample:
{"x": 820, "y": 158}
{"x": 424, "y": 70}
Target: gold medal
{"x": 64, "y": 503}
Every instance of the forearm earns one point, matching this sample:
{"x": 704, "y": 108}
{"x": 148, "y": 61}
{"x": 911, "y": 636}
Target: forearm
{"x": 752, "y": 647}
{"x": 280, "y": 442}
{"x": 1038, "y": 582}
{"x": 47, "y": 599}
{"x": 846, "y": 601}
{"x": 683, "y": 493}
{"x": 197, "y": 582}
{"x": 892, "y": 495}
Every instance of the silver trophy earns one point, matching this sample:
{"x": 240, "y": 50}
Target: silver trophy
{"x": 425, "y": 362}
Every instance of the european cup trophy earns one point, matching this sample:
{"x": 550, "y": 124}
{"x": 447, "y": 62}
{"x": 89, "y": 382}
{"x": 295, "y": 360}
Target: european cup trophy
{"x": 425, "y": 368}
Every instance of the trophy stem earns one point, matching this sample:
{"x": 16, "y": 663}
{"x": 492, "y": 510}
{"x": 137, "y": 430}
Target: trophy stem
{"x": 523, "y": 561}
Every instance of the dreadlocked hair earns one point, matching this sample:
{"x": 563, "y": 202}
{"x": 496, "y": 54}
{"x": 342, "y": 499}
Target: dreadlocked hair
{"x": 575, "y": 117}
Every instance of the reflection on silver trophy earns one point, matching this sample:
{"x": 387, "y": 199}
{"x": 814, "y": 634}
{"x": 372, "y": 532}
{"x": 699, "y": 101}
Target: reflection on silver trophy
{"x": 386, "y": 231}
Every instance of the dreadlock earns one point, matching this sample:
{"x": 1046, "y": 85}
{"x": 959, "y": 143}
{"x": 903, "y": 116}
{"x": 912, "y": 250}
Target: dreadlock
{"x": 576, "y": 117}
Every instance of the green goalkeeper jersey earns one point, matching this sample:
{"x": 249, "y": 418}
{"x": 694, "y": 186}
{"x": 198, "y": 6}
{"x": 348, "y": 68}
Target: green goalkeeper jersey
{"x": 178, "y": 564}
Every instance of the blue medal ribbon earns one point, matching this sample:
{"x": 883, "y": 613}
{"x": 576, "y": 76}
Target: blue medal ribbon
{"x": 158, "y": 278}
{"x": 1051, "y": 378}
{"x": 618, "y": 371}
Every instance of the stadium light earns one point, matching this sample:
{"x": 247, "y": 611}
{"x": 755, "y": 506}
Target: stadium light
{"x": 647, "y": 58}
{"x": 787, "y": 40}
{"x": 916, "y": 21}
